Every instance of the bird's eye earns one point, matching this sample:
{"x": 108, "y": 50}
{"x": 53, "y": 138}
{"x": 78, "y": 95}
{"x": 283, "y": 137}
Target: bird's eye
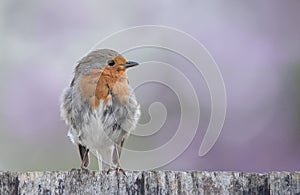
{"x": 111, "y": 62}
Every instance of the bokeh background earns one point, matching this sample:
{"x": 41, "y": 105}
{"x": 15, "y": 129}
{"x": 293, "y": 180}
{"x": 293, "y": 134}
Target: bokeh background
{"x": 256, "y": 45}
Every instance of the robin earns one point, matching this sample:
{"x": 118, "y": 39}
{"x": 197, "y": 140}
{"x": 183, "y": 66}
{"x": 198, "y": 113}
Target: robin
{"x": 100, "y": 107}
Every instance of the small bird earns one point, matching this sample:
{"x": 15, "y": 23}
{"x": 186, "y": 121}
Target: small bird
{"x": 100, "y": 107}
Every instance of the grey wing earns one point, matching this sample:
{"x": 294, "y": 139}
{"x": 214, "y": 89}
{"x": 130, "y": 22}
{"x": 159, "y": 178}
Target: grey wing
{"x": 66, "y": 106}
{"x": 70, "y": 113}
{"x": 74, "y": 110}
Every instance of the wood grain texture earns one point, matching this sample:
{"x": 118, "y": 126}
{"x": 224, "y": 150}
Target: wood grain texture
{"x": 149, "y": 182}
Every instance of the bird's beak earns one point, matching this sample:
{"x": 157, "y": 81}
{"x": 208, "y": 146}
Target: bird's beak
{"x": 130, "y": 64}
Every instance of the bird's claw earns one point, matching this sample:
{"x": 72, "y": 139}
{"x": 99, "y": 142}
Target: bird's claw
{"x": 85, "y": 169}
{"x": 117, "y": 169}
{"x": 109, "y": 170}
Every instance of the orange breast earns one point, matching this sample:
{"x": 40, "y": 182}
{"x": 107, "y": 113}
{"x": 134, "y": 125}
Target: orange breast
{"x": 96, "y": 84}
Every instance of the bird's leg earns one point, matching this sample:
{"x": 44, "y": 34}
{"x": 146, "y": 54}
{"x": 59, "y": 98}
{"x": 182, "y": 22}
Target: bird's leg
{"x": 116, "y": 161}
{"x": 107, "y": 158}
{"x": 85, "y": 160}
{"x": 117, "y": 156}
{"x": 84, "y": 155}
{"x": 113, "y": 159}
{"x": 99, "y": 157}
{"x": 117, "y": 153}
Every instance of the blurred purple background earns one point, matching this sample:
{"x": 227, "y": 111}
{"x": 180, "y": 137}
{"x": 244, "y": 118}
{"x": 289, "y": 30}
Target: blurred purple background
{"x": 255, "y": 43}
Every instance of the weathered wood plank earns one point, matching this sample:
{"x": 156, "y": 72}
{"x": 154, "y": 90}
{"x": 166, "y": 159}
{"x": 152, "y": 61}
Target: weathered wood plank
{"x": 148, "y": 182}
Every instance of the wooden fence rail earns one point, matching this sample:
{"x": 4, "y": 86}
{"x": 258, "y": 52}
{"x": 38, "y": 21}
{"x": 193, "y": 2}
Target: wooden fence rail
{"x": 148, "y": 182}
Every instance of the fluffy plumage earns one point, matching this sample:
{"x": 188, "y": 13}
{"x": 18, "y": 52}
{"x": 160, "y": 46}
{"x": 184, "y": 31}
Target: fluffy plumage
{"x": 100, "y": 107}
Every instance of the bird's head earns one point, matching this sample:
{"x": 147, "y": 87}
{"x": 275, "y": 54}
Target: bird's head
{"x": 107, "y": 60}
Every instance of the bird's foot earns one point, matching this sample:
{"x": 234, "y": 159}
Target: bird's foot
{"x": 80, "y": 170}
{"x": 117, "y": 169}
{"x": 85, "y": 169}
{"x": 109, "y": 170}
